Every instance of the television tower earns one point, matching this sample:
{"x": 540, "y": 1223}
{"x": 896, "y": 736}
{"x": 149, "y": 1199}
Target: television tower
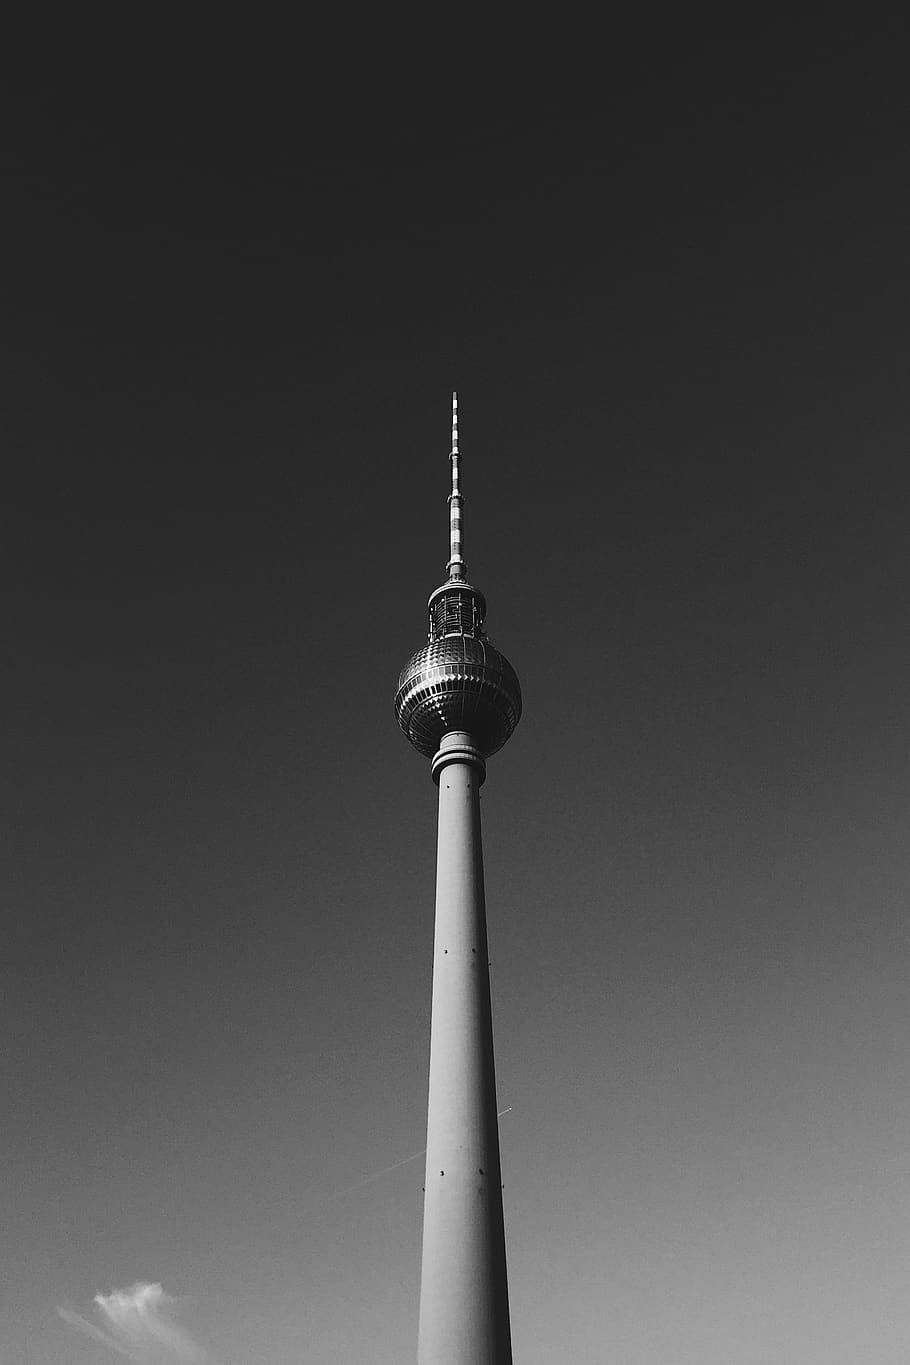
{"x": 458, "y": 701}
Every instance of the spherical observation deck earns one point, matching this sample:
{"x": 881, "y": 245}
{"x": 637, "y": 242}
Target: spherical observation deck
{"x": 458, "y": 681}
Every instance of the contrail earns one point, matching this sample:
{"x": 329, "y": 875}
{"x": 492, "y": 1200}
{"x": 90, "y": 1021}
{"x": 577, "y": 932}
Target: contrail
{"x": 386, "y": 1170}
{"x": 348, "y": 1189}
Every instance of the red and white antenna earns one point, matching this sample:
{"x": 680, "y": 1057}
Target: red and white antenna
{"x": 455, "y": 566}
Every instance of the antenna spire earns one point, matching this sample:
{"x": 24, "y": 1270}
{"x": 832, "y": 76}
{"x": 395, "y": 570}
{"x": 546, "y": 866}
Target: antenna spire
{"x": 455, "y": 566}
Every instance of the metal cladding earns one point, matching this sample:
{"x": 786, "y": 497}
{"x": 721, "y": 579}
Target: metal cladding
{"x": 459, "y": 682}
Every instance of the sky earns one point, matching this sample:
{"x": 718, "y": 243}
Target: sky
{"x": 667, "y": 271}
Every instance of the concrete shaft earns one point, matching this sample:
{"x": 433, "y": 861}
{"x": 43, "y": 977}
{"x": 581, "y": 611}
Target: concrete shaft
{"x": 464, "y": 1299}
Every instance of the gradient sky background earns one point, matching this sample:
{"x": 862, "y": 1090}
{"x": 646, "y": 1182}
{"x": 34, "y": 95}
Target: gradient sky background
{"x": 668, "y": 274}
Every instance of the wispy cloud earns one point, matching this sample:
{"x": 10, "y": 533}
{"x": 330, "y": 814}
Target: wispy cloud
{"x": 137, "y": 1323}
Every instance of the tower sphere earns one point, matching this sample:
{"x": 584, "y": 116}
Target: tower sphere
{"x": 458, "y": 681}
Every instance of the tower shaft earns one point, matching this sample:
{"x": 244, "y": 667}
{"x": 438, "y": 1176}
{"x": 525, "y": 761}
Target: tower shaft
{"x": 464, "y": 1301}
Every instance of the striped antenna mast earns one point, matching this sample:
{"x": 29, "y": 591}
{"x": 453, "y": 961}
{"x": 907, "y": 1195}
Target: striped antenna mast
{"x": 455, "y": 566}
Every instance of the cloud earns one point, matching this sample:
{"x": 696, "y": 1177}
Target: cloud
{"x": 137, "y": 1323}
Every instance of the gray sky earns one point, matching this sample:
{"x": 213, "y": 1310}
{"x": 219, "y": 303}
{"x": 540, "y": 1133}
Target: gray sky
{"x": 674, "y": 303}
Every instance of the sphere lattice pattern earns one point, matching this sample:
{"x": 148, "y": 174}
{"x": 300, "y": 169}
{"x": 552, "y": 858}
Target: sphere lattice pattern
{"x": 459, "y": 682}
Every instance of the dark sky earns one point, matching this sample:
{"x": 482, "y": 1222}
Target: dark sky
{"x": 667, "y": 271}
